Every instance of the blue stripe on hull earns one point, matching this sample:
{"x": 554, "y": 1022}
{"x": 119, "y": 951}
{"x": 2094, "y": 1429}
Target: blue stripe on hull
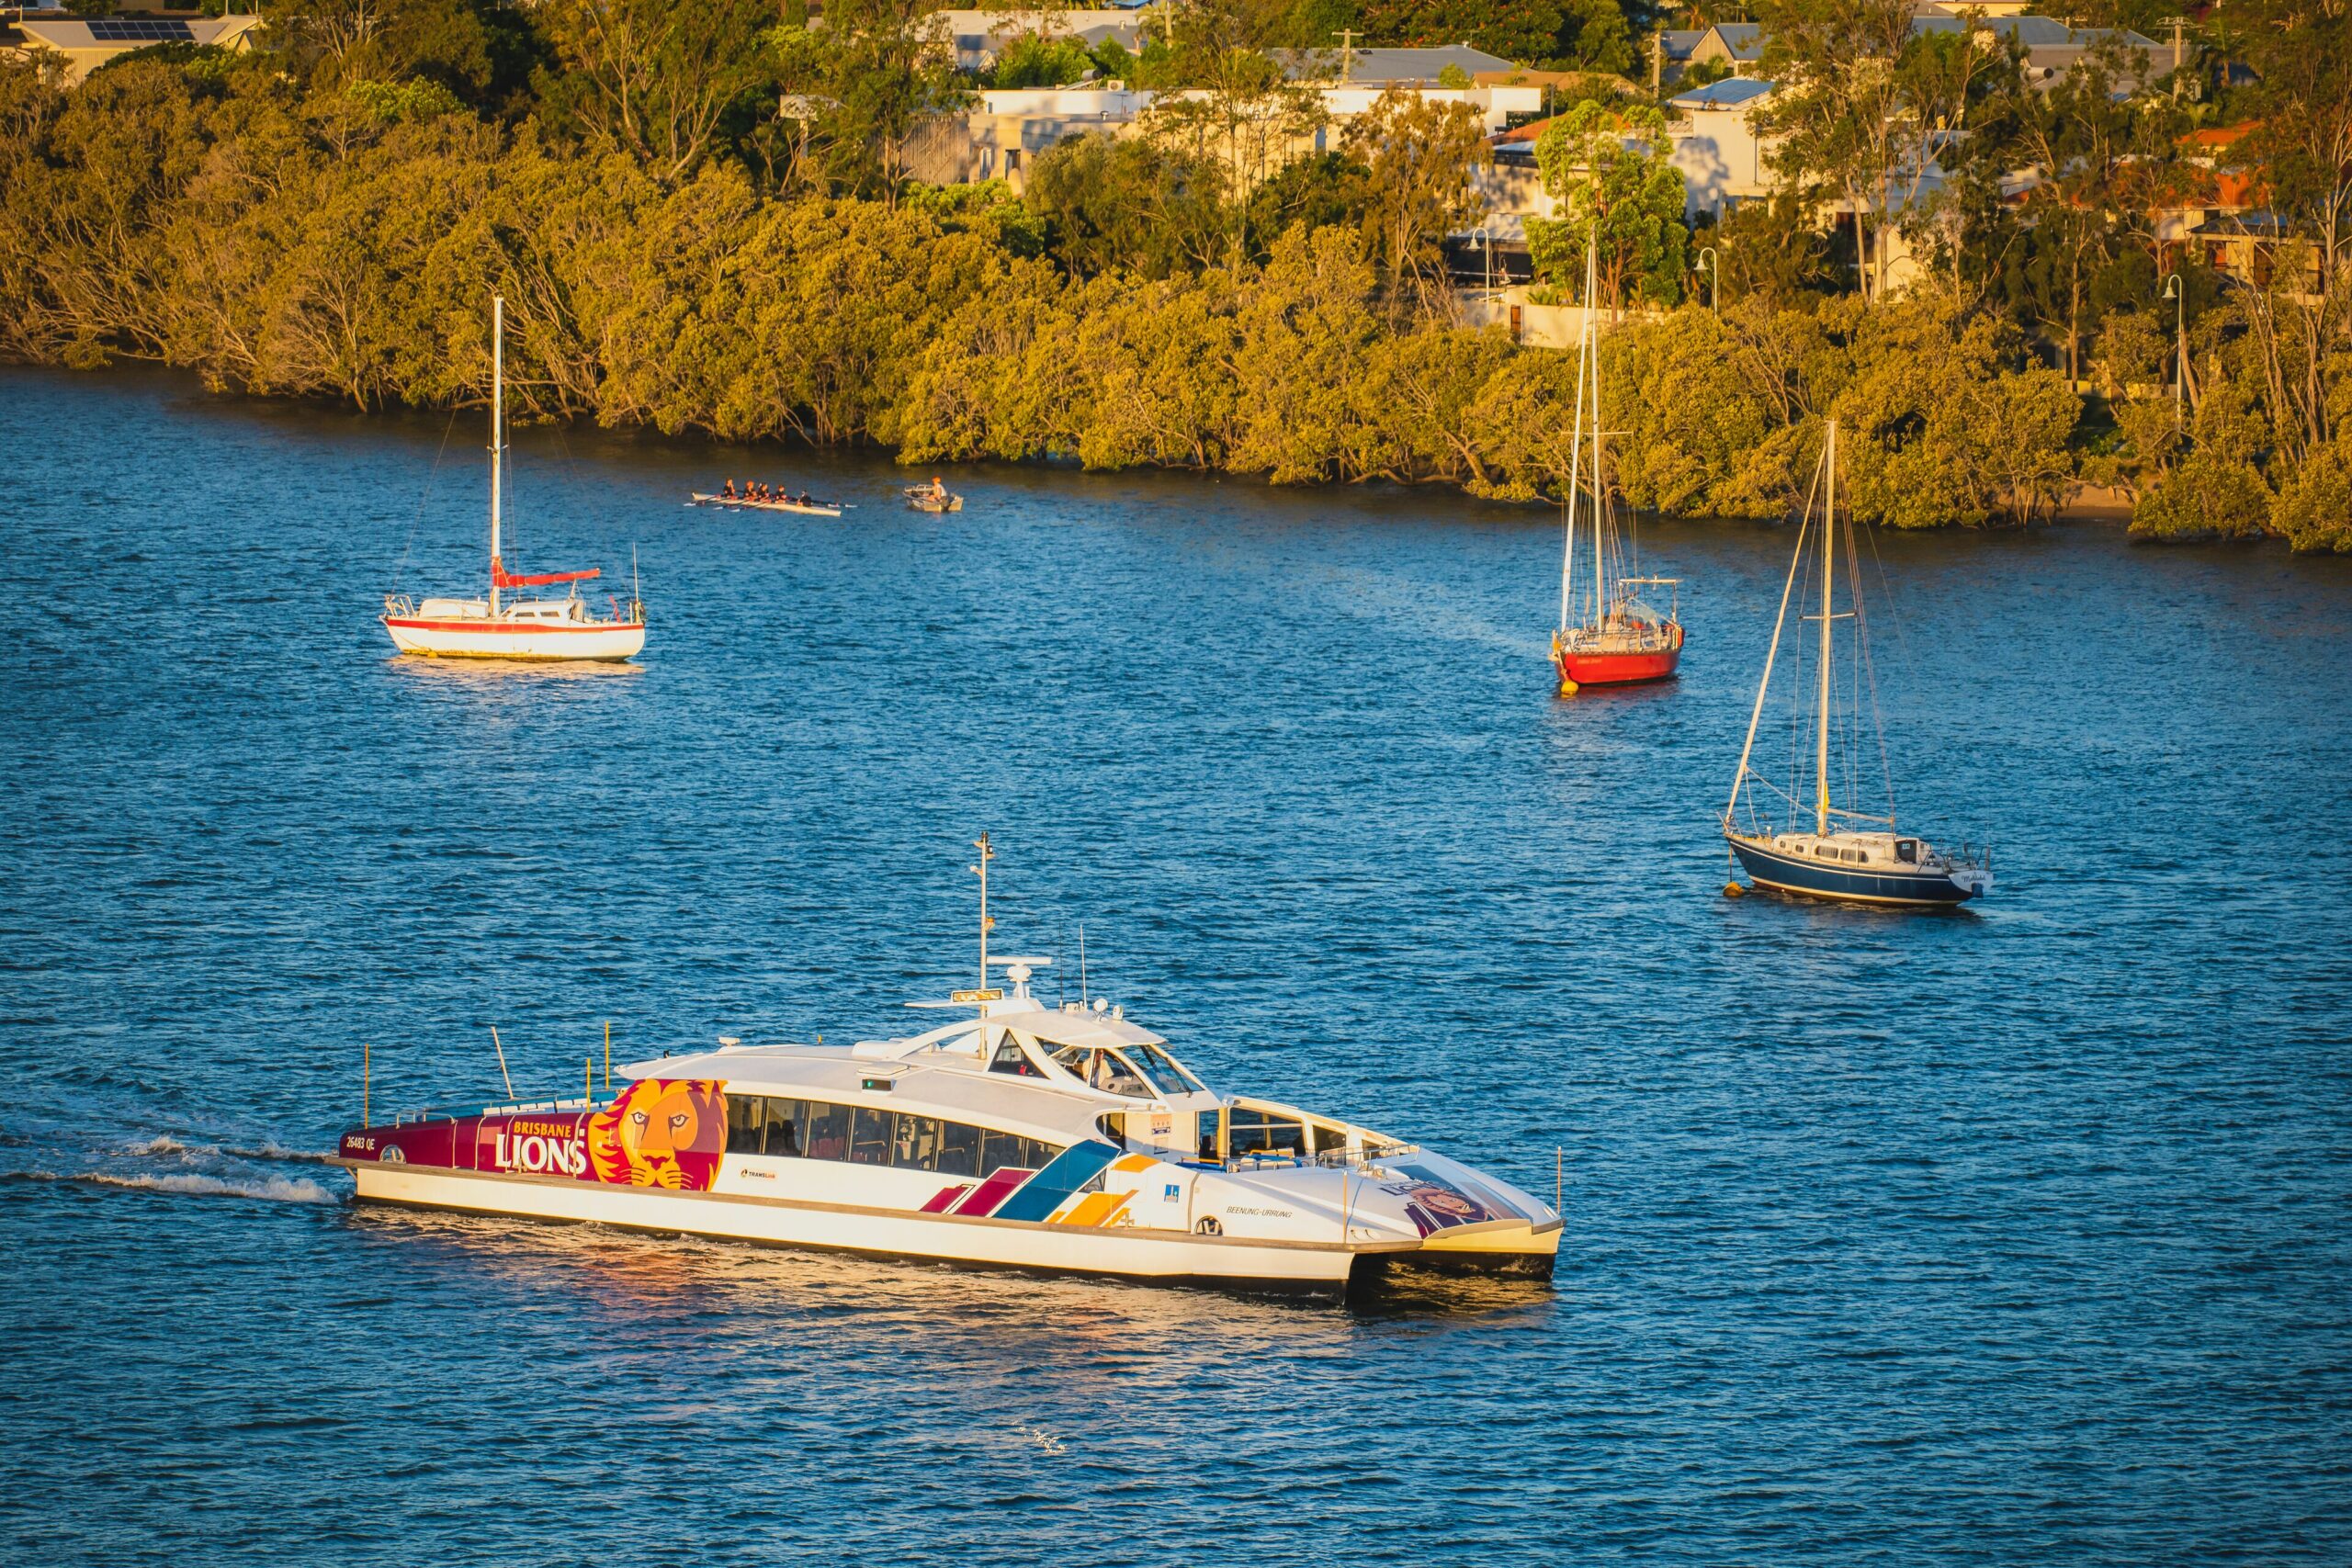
{"x": 1796, "y": 876}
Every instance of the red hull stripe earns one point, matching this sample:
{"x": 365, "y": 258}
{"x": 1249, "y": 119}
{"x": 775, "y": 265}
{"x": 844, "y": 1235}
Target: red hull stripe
{"x": 511, "y": 628}
{"x": 945, "y": 1196}
{"x": 994, "y": 1191}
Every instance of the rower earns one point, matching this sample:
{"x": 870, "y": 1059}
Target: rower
{"x": 726, "y": 490}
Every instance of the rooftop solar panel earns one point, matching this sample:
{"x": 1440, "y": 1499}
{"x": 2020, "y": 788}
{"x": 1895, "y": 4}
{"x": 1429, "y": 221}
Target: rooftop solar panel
{"x": 117, "y": 30}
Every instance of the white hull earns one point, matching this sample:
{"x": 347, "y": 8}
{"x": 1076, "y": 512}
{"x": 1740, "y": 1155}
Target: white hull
{"x": 1135, "y": 1253}
{"x": 606, "y": 642}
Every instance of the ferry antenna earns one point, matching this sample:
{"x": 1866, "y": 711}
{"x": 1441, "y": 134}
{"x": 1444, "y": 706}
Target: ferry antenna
{"x": 981, "y": 871}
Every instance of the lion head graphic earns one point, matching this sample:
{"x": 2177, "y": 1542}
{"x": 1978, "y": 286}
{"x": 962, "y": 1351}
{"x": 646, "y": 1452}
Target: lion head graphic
{"x": 661, "y": 1132}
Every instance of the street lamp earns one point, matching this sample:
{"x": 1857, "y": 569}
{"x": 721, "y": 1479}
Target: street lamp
{"x": 1707, "y": 264}
{"x": 2179, "y": 296}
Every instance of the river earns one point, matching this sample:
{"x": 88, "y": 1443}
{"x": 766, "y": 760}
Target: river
{"x": 2015, "y": 1236}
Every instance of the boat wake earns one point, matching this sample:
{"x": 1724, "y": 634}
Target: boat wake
{"x": 273, "y": 1189}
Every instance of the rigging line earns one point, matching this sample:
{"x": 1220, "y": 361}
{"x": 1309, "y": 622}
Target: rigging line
{"x": 1868, "y": 667}
{"x": 1770, "y": 654}
{"x": 409, "y": 545}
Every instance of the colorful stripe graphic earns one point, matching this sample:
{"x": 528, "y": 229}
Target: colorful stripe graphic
{"x": 994, "y": 1191}
{"x": 1065, "y": 1174}
{"x": 946, "y": 1195}
{"x": 1095, "y": 1209}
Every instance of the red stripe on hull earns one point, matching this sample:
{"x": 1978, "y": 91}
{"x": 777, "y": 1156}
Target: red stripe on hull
{"x": 512, "y": 628}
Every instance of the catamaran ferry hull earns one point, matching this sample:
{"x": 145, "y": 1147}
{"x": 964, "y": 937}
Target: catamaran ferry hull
{"x": 1884, "y": 885}
{"x": 1157, "y": 1256}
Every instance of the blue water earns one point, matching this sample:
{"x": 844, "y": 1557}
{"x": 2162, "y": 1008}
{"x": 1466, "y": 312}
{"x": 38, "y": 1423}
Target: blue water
{"x": 2015, "y": 1236}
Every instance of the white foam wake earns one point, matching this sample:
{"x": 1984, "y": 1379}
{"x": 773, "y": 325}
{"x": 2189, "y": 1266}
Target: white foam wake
{"x": 274, "y": 1189}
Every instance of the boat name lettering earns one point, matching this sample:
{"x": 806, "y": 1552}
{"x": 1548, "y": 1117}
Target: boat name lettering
{"x": 1264, "y": 1214}
{"x": 562, "y": 1152}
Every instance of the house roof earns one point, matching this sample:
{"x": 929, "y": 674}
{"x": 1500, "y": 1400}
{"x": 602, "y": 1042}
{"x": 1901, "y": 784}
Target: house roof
{"x": 1743, "y": 40}
{"x": 1388, "y": 65}
{"x": 1729, "y": 93}
{"x": 1678, "y": 42}
{"x": 132, "y": 32}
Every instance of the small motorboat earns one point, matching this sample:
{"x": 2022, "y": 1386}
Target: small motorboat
{"x": 933, "y": 497}
{"x": 782, "y": 503}
{"x": 1847, "y": 855}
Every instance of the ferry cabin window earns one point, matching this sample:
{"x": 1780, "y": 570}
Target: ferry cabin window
{"x": 959, "y": 1149}
{"x": 785, "y": 1118}
{"x": 746, "y": 1121}
{"x": 869, "y": 1138}
{"x": 999, "y": 1150}
{"x": 1105, "y": 1070}
{"x": 914, "y": 1145}
{"x": 1010, "y": 1058}
{"x": 1164, "y": 1071}
{"x": 1907, "y": 851}
{"x": 828, "y": 1131}
{"x": 1260, "y": 1132}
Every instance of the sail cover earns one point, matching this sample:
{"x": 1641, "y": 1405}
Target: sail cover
{"x": 500, "y": 578}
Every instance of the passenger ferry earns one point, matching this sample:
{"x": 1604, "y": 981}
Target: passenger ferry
{"x": 1024, "y": 1135}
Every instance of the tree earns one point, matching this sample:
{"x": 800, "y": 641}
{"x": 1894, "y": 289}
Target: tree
{"x": 1863, "y": 103}
{"x": 1418, "y": 157}
{"x": 1247, "y": 118}
{"x": 1612, "y": 172}
{"x": 656, "y": 78}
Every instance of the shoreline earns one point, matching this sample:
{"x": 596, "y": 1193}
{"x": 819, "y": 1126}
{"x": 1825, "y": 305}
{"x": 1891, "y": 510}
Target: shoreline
{"x": 2092, "y": 506}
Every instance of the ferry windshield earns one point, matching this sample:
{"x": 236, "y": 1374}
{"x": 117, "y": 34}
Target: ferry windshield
{"x": 1163, "y": 1070}
{"x": 1105, "y": 1070}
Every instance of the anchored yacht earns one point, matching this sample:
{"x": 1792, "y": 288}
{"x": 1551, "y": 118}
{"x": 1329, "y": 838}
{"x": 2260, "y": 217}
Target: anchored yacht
{"x": 1022, "y": 1135}
{"x": 490, "y": 627}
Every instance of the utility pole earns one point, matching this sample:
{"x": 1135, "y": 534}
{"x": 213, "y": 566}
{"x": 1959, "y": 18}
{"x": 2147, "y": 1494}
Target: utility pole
{"x": 1347, "y": 37}
{"x": 2179, "y": 296}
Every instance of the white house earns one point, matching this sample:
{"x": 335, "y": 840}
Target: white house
{"x": 1720, "y": 154}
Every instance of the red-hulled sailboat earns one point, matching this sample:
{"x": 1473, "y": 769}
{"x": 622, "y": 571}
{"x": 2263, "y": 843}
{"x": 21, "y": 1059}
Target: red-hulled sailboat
{"x": 1607, "y": 634}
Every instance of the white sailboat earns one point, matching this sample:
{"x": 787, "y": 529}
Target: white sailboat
{"x": 497, "y": 627}
{"x": 1848, "y": 855}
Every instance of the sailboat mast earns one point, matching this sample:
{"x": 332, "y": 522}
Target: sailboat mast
{"x": 1591, "y": 281}
{"x": 497, "y": 430}
{"x": 1575, "y": 476}
{"x": 1828, "y": 583}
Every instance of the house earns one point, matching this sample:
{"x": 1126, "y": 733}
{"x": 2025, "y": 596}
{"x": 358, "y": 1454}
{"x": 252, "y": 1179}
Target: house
{"x": 1001, "y": 137}
{"x": 2052, "y": 48}
{"x": 1738, "y": 45}
{"x": 85, "y": 44}
{"x": 1387, "y": 67}
{"x": 979, "y": 36}
{"x": 1721, "y": 154}
{"x": 1671, "y": 55}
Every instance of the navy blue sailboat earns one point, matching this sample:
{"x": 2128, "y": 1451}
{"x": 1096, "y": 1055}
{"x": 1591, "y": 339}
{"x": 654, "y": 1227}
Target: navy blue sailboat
{"x": 1848, "y": 855}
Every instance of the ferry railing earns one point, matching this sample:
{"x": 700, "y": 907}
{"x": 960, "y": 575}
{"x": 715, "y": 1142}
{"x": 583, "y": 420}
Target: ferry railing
{"x": 1329, "y": 1159}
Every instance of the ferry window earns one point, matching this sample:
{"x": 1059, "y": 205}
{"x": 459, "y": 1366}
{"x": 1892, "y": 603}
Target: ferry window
{"x": 1209, "y": 1137}
{"x": 1120, "y": 1076}
{"x": 785, "y": 1118}
{"x": 1907, "y": 851}
{"x": 1010, "y": 1058}
{"x": 745, "y": 1122}
{"x": 1165, "y": 1072}
{"x": 915, "y": 1145}
{"x": 1000, "y": 1149}
{"x": 869, "y": 1138}
{"x": 959, "y": 1149}
{"x": 1256, "y": 1132}
{"x": 828, "y": 1131}
{"x": 1329, "y": 1139}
